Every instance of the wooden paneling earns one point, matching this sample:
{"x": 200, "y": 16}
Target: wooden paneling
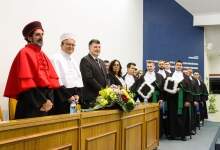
{"x": 42, "y": 133}
{"x": 100, "y": 130}
{"x": 97, "y": 130}
{"x": 152, "y": 127}
{"x": 100, "y": 142}
{"x": 133, "y": 129}
{"x": 133, "y": 137}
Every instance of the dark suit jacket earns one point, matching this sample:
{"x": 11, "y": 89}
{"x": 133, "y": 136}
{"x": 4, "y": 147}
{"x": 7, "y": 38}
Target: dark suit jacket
{"x": 94, "y": 79}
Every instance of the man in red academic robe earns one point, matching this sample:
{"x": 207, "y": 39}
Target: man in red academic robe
{"x": 32, "y": 77}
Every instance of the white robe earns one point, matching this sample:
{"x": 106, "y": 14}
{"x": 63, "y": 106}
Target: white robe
{"x": 67, "y": 69}
{"x": 150, "y": 77}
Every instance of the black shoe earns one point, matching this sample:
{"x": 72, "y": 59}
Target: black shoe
{"x": 183, "y": 139}
{"x": 171, "y": 138}
{"x": 193, "y": 132}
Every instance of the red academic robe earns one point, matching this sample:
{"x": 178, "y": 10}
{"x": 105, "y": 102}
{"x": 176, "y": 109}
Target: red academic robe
{"x": 31, "y": 68}
{"x": 31, "y": 81}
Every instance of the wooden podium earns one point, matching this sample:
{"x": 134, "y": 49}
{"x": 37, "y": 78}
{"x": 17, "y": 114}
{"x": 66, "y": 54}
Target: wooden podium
{"x": 97, "y": 130}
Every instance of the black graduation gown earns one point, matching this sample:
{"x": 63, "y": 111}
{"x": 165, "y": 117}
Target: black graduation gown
{"x": 158, "y": 85}
{"x": 30, "y": 102}
{"x": 204, "y": 98}
{"x": 164, "y": 110}
{"x": 177, "y": 121}
{"x": 61, "y": 96}
{"x": 195, "y": 92}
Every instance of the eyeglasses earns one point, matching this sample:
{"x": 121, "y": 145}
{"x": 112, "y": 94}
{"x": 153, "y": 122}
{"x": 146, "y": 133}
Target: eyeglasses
{"x": 69, "y": 44}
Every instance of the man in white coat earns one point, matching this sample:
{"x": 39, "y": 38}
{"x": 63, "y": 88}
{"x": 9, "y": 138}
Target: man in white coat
{"x": 70, "y": 78}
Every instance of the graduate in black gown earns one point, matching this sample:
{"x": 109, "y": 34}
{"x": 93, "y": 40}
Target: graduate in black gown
{"x": 203, "y": 96}
{"x": 178, "y": 102}
{"x": 163, "y": 110}
{"x": 196, "y": 115}
{"x": 161, "y": 70}
{"x": 167, "y": 67}
{"x": 149, "y": 87}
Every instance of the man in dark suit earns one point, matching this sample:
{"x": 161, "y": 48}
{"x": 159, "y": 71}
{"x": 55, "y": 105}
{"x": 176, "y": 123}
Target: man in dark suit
{"x": 94, "y": 74}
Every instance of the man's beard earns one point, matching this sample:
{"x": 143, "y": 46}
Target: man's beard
{"x": 161, "y": 68}
{"x": 38, "y": 42}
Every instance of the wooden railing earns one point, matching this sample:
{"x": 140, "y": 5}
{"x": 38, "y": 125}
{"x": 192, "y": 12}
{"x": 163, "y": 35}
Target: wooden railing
{"x": 97, "y": 130}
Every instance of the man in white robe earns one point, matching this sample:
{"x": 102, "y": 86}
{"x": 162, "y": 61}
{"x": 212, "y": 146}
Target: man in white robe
{"x": 69, "y": 75}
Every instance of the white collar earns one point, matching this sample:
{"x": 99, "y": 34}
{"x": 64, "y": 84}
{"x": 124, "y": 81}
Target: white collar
{"x": 178, "y": 76}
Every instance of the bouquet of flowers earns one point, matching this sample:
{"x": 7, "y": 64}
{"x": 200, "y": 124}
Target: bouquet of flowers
{"x": 115, "y": 95}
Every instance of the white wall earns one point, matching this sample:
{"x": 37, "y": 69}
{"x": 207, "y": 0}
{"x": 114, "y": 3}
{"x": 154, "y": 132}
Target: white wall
{"x": 206, "y": 61}
{"x": 212, "y": 61}
{"x": 212, "y": 44}
{"x": 118, "y": 24}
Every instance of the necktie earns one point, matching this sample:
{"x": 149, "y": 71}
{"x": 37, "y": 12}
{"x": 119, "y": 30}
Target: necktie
{"x": 98, "y": 62}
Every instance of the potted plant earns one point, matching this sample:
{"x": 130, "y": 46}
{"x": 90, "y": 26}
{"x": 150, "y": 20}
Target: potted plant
{"x": 212, "y": 104}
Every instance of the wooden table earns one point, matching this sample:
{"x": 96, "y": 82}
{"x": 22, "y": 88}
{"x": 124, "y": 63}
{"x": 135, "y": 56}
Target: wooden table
{"x": 97, "y": 130}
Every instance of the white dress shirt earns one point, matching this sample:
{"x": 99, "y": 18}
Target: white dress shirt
{"x": 199, "y": 82}
{"x": 67, "y": 69}
{"x": 129, "y": 80}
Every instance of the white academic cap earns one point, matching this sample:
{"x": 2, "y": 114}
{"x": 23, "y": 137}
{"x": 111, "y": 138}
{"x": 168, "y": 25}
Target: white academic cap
{"x": 66, "y": 36}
